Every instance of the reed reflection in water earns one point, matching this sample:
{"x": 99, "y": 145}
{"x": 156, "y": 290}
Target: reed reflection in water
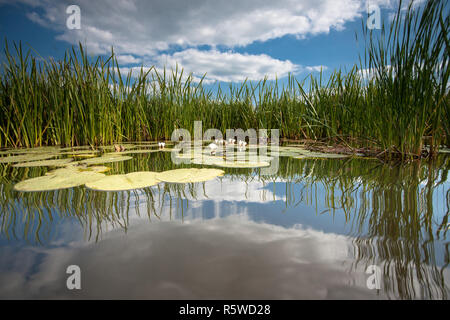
{"x": 394, "y": 216}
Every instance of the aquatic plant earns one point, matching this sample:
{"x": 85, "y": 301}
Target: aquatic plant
{"x": 121, "y": 182}
{"x": 189, "y": 175}
{"x": 401, "y": 111}
{"x": 68, "y": 177}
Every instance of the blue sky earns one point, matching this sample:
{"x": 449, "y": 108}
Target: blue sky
{"x": 229, "y": 40}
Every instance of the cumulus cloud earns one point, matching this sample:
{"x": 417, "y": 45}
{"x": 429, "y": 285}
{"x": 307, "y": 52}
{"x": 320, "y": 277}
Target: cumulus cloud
{"x": 228, "y": 66}
{"x": 316, "y": 68}
{"x": 140, "y": 30}
{"x": 127, "y": 59}
{"x": 230, "y": 257}
{"x": 140, "y": 27}
{"x": 222, "y": 66}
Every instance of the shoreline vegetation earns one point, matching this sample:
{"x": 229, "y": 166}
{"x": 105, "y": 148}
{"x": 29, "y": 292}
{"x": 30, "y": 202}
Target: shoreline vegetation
{"x": 394, "y": 105}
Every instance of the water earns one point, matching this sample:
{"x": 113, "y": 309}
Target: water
{"x": 309, "y": 232}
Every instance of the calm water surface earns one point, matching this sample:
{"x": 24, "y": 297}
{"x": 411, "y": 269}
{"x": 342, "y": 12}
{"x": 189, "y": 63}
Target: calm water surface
{"x": 308, "y": 232}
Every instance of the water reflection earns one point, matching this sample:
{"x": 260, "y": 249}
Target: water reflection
{"x": 224, "y": 258}
{"x": 308, "y": 232}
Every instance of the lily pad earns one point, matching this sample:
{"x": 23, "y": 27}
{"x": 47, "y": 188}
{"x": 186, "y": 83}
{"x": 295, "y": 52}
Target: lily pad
{"x": 125, "y": 145}
{"x": 45, "y": 163}
{"x": 207, "y": 160}
{"x": 26, "y": 158}
{"x": 185, "y": 156}
{"x": 76, "y": 148}
{"x": 288, "y": 149}
{"x": 98, "y": 169}
{"x": 8, "y": 151}
{"x": 132, "y": 152}
{"x": 37, "y": 150}
{"x": 169, "y": 149}
{"x": 189, "y": 175}
{"x": 194, "y": 153}
{"x": 74, "y": 167}
{"x": 243, "y": 164}
{"x": 289, "y": 154}
{"x": 84, "y": 155}
{"x": 148, "y": 144}
{"x": 321, "y": 155}
{"x": 58, "y": 179}
{"x": 79, "y": 152}
{"x": 107, "y": 158}
{"x": 121, "y": 182}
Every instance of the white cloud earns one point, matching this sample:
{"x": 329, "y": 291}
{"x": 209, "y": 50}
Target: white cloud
{"x": 142, "y": 27}
{"x": 139, "y": 30}
{"x": 292, "y": 262}
{"x": 228, "y": 66}
{"x": 33, "y": 16}
{"x": 316, "y": 68}
{"x": 127, "y": 59}
{"x": 222, "y": 66}
{"x": 369, "y": 74}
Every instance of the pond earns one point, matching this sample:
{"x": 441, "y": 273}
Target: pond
{"x": 317, "y": 228}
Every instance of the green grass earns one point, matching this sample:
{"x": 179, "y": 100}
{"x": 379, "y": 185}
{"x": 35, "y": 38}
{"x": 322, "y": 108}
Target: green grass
{"x": 402, "y": 108}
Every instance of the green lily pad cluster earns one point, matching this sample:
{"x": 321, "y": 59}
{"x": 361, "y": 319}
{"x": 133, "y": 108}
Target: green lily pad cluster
{"x": 45, "y": 163}
{"x": 189, "y": 175}
{"x": 106, "y": 158}
{"x": 84, "y": 165}
{"x": 59, "y": 179}
{"x": 26, "y": 158}
{"x": 298, "y": 152}
{"x": 249, "y": 157}
{"x": 121, "y": 182}
{"x": 243, "y": 164}
{"x": 93, "y": 178}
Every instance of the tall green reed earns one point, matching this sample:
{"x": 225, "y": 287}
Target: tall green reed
{"x": 400, "y": 109}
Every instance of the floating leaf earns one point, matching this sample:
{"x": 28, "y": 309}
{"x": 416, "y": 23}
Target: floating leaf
{"x": 194, "y": 153}
{"x": 79, "y": 152}
{"x": 74, "y": 167}
{"x": 45, "y": 163}
{"x": 189, "y": 175}
{"x": 74, "y": 149}
{"x": 185, "y": 156}
{"x": 289, "y": 149}
{"x": 8, "y": 151}
{"x": 313, "y": 155}
{"x": 169, "y": 149}
{"x": 26, "y": 158}
{"x": 120, "y": 182}
{"x": 132, "y": 152}
{"x": 125, "y": 145}
{"x": 107, "y": 158}
{"x": 242, "y": 164}
{"x": 207, "y": 160}
{"x": 288, "y": 154}
{"x": 58, "y": 179}
{"x": 98, "y": 169}
{"x": 85, "y": 155}
{"x": 36, "y": 150}
{"x": 297, "y": 146}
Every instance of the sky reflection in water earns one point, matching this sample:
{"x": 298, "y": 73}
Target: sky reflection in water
{"x": 308, "y": 233}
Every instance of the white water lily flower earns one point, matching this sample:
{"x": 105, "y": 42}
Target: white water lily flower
{"x": 213, "y": 147}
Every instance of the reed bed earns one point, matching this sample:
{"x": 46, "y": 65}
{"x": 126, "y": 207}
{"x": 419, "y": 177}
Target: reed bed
{"x": 400, "y": 111}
